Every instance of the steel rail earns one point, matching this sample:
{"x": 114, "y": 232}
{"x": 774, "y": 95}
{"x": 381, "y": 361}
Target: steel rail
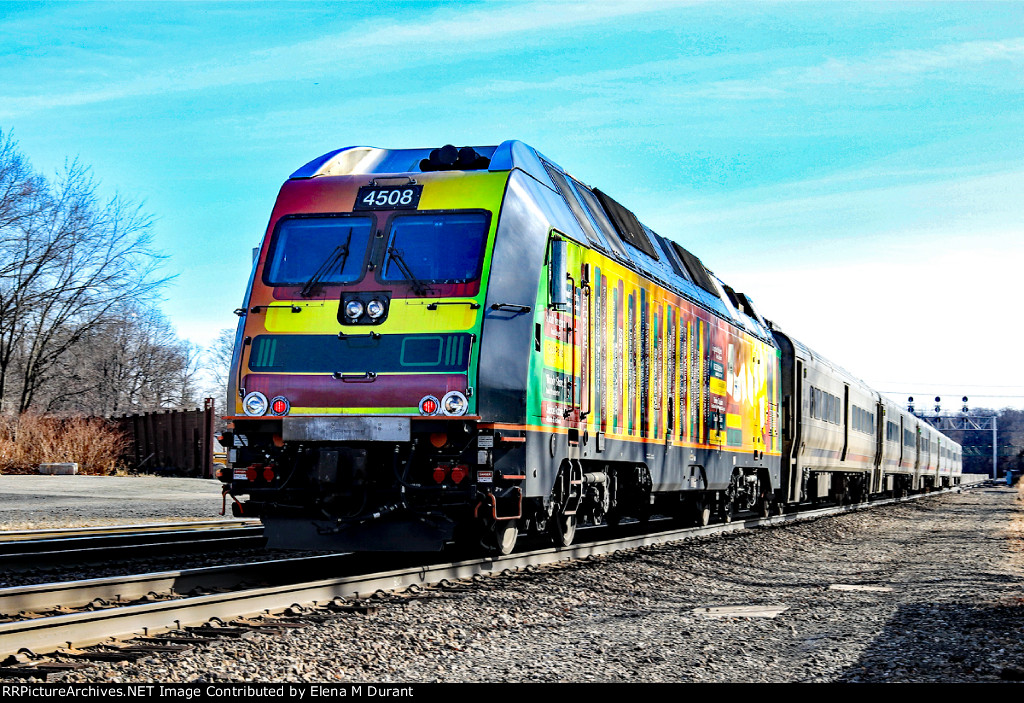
{"x": 72, "y": 546}
{"x": 106, "y": 530}
{"x": 28, "y": 553}
{"x": 44, "y": 597}
{"x": 47, "y": 634}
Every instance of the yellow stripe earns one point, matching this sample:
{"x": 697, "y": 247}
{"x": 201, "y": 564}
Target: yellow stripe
{"x": 408, "y": 316}
{"x": 621, "y": 437}
{"x": 405, "y": 316}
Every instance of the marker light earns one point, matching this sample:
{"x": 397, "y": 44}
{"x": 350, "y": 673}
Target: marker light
{"x": 280, "y": 405}
{"x": 353, "y": 309}
{"x": 255, "y": 403}
{"x": 454, "y": 403}
{"x": 429, "y": 405}
{"x": 375, "y": 309}
{"x": 459, "y": 472}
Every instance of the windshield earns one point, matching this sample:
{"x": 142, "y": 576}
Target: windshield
{"x": 329, "y": 249}
{"x": 438, "y": 248}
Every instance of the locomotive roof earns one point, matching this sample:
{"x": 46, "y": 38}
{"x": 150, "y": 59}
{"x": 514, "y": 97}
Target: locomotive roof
{"x": 352, "y": 160}
{"x": 674, "y": 267}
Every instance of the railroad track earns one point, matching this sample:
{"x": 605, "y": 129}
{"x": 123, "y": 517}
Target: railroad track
{"x": 149, "y": 604}
{"x": 35, "y": 548}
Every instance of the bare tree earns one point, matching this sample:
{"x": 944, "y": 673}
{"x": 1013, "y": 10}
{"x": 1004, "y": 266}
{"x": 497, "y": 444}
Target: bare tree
{"x": 69, "y": 261}
{"x": 130, "y": 362}
{"x": 19, "y": 185}
{"x": 217, "y": 360}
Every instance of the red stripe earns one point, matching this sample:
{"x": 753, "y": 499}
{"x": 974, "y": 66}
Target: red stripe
{"x": 323, "y": 391}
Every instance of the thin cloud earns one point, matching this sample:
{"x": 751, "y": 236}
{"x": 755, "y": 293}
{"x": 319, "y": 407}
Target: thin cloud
{"x": 934, "y": 212}
{"x": 895, "y": 65}
{"x": 366, "y": 47}
{"x": 675, "y": 80}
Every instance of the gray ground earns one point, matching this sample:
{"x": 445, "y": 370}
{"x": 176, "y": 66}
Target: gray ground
{"x": 952, "y": 610}
{"x": 36, "y": 502}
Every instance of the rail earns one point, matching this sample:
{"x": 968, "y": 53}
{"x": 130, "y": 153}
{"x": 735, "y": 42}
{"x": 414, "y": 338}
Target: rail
{"x": 35, "y": 548}
{"x": 51, "y": 632}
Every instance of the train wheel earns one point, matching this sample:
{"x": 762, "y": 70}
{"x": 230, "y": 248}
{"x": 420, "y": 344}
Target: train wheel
{"x": 725, "y": 509}
{"x": 764, "y": 506}
{"x": 644, "y": 512}
{"x": 563, "y": 529}
{"x": 501, "y": 537}
{"x": 701, "y": 511}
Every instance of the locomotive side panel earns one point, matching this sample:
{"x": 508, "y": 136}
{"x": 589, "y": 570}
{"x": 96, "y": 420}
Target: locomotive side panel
{"x": 508, "y": 330}
{"x": 635, "y": 374}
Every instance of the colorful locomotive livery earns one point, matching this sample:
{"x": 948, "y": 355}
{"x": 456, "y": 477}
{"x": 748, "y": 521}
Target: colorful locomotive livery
{"x": 453, "y": 346}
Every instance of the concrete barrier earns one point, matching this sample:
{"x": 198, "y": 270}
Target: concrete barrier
{"x": 65, "y": 469}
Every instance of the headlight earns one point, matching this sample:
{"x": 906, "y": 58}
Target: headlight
{"x": 454, "y": 403}
{"x": 280, "y": 405}
{"x": 353, "y": 309}
{"x": 429, "y": 405}
{"x": 255, "y": 403}
{"x": 375, "y": 309}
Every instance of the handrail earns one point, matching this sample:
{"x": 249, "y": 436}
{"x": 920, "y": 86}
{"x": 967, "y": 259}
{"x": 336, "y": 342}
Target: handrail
{"x": 257, "y": 308}
{"x": 572, "y": 376}
{"x": 511, "y": 307}
{"x": 409, "y": 180}
{"x": 585, "y": 291}
{"x": 473, "y": 305}
{"x": 368, "y": 377}
{"x": 371, "y": 335}
{"x": 238, "y": 378}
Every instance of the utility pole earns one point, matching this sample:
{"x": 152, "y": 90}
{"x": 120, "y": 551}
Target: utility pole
{"x": 960, "y": 421}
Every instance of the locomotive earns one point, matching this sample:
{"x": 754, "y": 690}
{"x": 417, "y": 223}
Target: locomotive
{"x": 454, "y": 346}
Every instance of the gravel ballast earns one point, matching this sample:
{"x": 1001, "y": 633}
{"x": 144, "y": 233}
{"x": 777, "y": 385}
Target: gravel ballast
{"x": 934, "y": 592}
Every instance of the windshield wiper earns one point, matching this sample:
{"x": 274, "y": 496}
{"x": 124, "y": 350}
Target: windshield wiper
{"x": 340, "y": 253}
{"x": 417, "y": 285}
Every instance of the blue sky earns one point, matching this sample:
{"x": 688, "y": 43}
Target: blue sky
{"x": 856, "y": 168}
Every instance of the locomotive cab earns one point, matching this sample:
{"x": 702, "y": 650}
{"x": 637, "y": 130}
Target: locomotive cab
{"x": 357, "y": 357}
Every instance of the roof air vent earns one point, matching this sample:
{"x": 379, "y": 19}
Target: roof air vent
{"x": 449, "y": 158}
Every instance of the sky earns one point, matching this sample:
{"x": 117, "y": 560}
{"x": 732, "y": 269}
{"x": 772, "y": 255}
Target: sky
{"x": 856, "y": 168}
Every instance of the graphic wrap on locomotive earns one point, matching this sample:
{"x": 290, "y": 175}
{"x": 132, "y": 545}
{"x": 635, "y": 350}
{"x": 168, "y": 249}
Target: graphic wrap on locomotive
{"x": 453, "y": 346}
